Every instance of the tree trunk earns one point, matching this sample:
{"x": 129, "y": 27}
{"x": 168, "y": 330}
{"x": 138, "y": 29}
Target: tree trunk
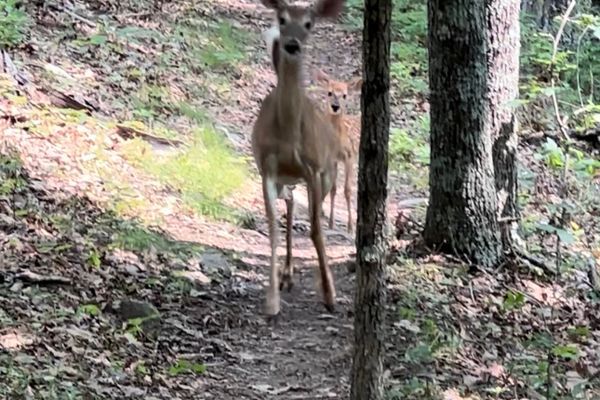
{"x": 462, "y": 213}
{"x": 371, "y": 247}
{"x": 503, "y": 41}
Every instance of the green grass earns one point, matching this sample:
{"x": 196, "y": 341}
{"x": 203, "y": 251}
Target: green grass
{"x": 205, "y": 172}
{"x": 214, "y": 45}
{"x": 409, "y": 153}
{"x": 14, "y": 23}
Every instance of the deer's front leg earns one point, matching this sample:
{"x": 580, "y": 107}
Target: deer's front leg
{"x": 272, "y": 305}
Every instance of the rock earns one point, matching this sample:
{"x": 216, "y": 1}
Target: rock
{"x": 215, "y": 262}
{"x": 129, "y": 309}
{"x": 195, "y": 277}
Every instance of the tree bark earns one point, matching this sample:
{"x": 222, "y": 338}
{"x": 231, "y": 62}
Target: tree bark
{"x": 462, "y": 213}
{"x": 371, "y": 246}
{"x": 503, "y": 42}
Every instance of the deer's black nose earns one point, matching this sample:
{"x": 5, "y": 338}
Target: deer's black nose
{"x": 335, "y": 107}
{"x": 292, "y": 47}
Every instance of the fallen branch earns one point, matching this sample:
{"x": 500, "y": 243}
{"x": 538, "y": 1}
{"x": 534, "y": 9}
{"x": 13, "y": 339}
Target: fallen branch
{"x": 536, "y": 262}
{"x": 127, "y": 132}
{"x": 7, "y": 66}
{"x": 73, "y": 14}
{"x": 32, "y": 277}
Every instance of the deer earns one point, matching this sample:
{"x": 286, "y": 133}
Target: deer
{"x": 293, "y": 142}
{"x": 335, "y": 109}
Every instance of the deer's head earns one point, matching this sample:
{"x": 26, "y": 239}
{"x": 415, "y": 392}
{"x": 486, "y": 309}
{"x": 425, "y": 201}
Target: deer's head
{"x": 296, "y": 22}
{"x": 337, "y": 91}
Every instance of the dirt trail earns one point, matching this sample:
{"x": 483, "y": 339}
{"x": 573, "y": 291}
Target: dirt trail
{"x": 307, "y": 355}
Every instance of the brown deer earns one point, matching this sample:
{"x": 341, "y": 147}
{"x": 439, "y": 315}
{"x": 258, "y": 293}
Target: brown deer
{"x": 292, "y": 141}
{"x": 335, "y": 109}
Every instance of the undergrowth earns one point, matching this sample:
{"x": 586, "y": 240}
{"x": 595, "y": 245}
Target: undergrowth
{"x": 205, "y": 172}
{"x": 14, "y": 23}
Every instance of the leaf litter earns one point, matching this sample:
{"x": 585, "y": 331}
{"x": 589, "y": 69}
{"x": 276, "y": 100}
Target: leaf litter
{"x": 103, "y": 304}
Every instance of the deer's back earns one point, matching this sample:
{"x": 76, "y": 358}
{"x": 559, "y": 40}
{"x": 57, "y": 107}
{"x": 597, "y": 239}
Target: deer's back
{"x": 314, "y": 142}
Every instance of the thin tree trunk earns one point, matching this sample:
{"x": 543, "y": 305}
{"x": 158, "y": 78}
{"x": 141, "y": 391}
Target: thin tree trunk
{"x": 503, "y": 41}
{"x": 462, "y": 212}
{"x": 367, "y": 369}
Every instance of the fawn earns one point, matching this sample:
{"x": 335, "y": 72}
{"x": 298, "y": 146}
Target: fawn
{"x": 335, "y": 109}
{"x": 292, "y": 141}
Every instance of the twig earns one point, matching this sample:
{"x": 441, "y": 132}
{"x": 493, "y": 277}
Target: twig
{"x": 559, "y": 34}
{"x": 78, "y": 17}
{"x": 129, "y": 132}
{"x": 536, "y": 262}
{"x": 577, "y": 58}
{"x": 32, "y": 277}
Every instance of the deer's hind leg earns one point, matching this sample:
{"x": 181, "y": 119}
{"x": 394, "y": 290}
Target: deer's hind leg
{"x": 349, "y": 172}
{"x": 315, "y": 200}
{"x": 332, "y": 193}
{"x": 287, "y": 281}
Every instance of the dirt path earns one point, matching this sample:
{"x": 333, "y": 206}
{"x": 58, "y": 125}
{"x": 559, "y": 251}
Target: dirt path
{"x": 307, "y": 354}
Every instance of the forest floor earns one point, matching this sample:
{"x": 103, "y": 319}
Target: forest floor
{"x": 119, "y": 281}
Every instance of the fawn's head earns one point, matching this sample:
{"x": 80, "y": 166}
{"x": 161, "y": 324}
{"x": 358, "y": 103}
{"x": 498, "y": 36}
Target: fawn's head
{"x": 337, "y": 91}
{"x": 296, "y": 22}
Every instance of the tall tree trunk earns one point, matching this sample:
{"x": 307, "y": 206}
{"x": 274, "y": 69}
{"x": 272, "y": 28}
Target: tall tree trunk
{"x": 503, "y": 41}
{"x": 462, "y": 212}
{"x": 371, "y": 247}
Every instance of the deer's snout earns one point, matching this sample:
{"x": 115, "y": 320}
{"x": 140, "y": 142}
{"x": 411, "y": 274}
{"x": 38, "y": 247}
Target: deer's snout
{"x": 335, "y": 107}
{"x": 292, "y": 46}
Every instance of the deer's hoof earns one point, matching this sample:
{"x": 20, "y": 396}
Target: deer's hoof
{"x": 330, "y": 307}
{"x": 286, "y": 283}
{"x": 272, "y": 320}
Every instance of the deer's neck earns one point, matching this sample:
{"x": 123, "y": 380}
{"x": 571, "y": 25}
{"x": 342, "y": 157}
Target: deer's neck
{"x": 290, "y": 94}
{"x": 337, "y": 120}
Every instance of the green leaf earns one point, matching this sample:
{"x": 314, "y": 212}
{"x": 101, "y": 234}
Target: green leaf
{"x": 565, "y": 236}
{"x": 98, "y": 40}
{"x": 89, "y": 309}
{"x": 568, "y": 352}
{"x": 546, "y": 228}
{"x": 513, "y": 300}
{"x": 185, "y": 367}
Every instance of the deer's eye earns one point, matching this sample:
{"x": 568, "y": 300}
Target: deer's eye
{"x": 308, "y": 25}
{"x": 344, "y": 96}
{"x": 329, "y": 94}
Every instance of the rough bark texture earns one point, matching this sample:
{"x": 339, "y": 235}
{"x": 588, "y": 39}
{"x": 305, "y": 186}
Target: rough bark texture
{"x": 367, "y": 369}
{"x": 462, "y": 213}
{"x": 503, "y": 42}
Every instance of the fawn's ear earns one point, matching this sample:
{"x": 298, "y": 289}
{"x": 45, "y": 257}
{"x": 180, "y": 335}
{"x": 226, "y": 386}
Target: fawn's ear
{"x": 355, "y": 84}
{"x": 321, "y": 77}
{"x": 328, "y": 8}
{"x": 274, "y": 4}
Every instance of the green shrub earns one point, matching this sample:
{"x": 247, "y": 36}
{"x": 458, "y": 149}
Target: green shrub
{"x": 13, "y": 23}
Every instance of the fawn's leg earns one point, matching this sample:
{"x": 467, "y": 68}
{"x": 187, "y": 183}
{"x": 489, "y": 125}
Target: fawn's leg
{"x": 348, "y": 192}
{"x": 315, "y": 203}
{"x": 272, "y": 305}
{"x": 332, "y": 197}
{"x": 288, "y": 269}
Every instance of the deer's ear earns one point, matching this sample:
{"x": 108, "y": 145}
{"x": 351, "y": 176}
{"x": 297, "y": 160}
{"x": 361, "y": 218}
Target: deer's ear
{"x": 274, "y": 4}
{"x": 321, "y": 76}
{"x": 355, "y": 84}
{"x": 328, "y": 8}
